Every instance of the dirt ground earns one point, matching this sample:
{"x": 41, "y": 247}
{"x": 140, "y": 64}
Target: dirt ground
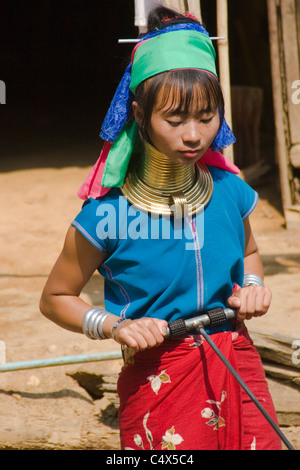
{"x": 47, "y": 408}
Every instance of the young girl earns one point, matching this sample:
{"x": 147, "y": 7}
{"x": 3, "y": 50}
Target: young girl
{"x": 166, "y": 222}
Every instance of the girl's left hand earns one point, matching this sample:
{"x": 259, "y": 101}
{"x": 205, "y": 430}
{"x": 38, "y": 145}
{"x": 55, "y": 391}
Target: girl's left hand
{"x": 250, "y": 301}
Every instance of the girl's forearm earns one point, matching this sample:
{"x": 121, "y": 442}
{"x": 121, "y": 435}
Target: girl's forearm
{"x": 68, "y": 311}
{"x": 253, "y": 264}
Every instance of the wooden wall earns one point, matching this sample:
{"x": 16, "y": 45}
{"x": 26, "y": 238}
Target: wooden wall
{"x": 285, "y": 58}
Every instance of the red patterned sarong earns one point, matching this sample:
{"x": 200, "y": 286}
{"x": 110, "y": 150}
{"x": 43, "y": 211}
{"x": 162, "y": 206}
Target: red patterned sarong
{"x": 181, "y": 396}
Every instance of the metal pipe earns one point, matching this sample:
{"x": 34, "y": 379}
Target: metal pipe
{"x": 246, "y": 389}
{"x": 213, "y": 318}
{"x": 60, "y": 361}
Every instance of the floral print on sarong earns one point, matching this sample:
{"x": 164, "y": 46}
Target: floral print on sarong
{"x": 213, "y": 419}
{"x": 170, "y": 439}
{"x": 157, "y": 380}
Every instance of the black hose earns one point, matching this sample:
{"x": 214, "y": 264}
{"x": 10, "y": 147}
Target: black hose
{"x": 212, "y": 318}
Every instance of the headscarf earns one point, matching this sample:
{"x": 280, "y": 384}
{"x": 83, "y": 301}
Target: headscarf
{"x": 180, "y": 46}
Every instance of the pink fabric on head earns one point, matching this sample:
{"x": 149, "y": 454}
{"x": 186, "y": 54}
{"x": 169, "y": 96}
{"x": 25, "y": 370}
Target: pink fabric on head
{"x": 92, "y": 187}
{"x": 190, "y": 15}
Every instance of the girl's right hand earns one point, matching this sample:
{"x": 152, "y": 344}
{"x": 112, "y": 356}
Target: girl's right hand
{"x": 141, "y": 334}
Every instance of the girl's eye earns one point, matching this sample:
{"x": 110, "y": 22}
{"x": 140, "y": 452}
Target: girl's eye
{"x": 174, "y": 123}
{"x": 206, "y": 121}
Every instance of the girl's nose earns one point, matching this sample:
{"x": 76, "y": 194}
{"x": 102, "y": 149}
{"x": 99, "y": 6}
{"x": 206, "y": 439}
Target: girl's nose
{"x": 191, "y": 133}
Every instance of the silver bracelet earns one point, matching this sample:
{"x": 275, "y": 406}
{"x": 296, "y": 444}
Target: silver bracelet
{"x": 92, "y": 323}
{"x": 115, "y": 326}
{"x": 252, "y": 280}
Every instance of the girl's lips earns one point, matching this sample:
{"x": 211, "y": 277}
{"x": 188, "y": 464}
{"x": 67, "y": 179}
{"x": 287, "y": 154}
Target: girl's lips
{"x": 191, "y": 153}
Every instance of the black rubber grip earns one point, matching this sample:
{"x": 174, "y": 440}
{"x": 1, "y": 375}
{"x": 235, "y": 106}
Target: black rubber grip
{"x": 177, "y": 327}
{"x": 217, "y": 316}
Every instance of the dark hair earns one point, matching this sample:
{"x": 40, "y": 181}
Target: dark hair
{"x": 184, "y": 88}
{"x": 160, "y": 17}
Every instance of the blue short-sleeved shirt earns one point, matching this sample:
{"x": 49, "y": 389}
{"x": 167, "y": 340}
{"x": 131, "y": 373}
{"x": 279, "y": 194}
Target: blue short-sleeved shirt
{"x": 167, "y": 268}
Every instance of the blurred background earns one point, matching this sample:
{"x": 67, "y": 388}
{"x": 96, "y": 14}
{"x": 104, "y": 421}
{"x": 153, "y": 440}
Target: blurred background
{"x": 61, "y": 62}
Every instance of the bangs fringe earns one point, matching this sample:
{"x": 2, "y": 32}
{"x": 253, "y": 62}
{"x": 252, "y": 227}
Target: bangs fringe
{"x": 189, "y": 92}
{"x": 185, "y": 92}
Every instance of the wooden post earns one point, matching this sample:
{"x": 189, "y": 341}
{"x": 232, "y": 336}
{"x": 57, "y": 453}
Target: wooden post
{"x": 278, "y": 84}
{"x": 194, "y": 7}
{"x": 224, "y": 67}
{"x": 292, "y": 71}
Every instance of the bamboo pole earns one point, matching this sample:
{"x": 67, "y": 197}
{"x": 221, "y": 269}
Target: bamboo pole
{"x": 292, "y": 73}
{"x": 194, "y": 7}
{"x": 279, "y": 111}
{"x": 60, "y": 361}
{"x": 224, "y": 67}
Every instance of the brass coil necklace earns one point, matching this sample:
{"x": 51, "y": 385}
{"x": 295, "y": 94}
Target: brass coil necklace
{"x": 155, "y": 183}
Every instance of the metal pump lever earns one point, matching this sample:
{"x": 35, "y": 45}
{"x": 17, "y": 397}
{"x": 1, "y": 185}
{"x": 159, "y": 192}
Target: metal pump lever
{"x": 216, "y": 317}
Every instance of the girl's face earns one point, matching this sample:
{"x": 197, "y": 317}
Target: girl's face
{"x": 183, "y": 138}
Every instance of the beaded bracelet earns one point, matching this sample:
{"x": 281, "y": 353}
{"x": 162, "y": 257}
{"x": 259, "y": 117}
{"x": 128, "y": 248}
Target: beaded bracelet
{"x": 92, "y": 323}
{"x": 252, "y": 280}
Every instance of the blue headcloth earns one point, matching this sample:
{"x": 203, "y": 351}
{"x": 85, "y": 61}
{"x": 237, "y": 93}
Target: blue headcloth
{"x": 121, "y": 105}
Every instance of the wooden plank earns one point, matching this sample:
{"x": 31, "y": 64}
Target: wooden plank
{"x": 286, "y": 418}
{"x": 280, "y": 120}
{"x": 292, "y": 64}
{"x": 292, "y": 218}
{"x": 282, "y": 373}
{"x": 295, "y": 152}
{"x": 276, "y": 348}
{"x": 298, "y": 21}
{"x": 286, "y": 401}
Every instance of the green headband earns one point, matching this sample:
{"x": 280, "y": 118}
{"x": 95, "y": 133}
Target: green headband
{"x": 172, "y": 51}
{"x": 169, "y": 51}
